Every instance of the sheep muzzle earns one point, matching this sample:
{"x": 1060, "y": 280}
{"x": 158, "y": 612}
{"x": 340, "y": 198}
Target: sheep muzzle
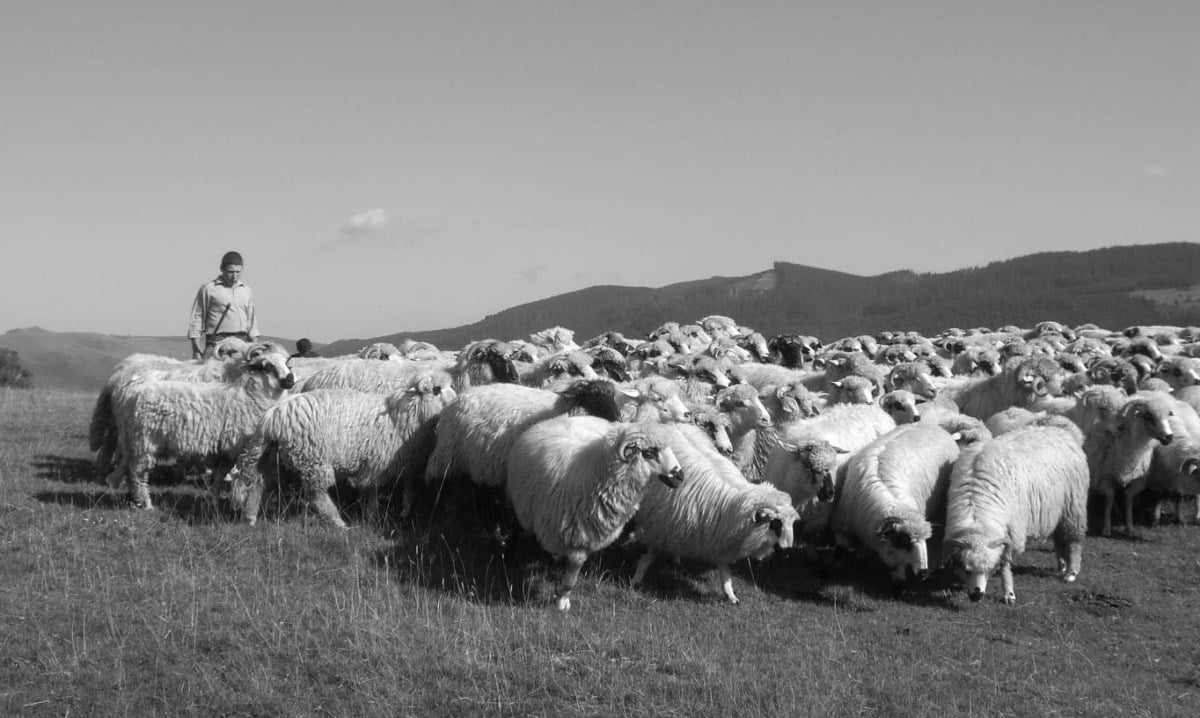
{"x": 672, "y": 478}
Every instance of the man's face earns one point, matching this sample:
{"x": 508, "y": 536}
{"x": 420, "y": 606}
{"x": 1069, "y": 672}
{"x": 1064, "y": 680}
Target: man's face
{"x": 230, "y": 273}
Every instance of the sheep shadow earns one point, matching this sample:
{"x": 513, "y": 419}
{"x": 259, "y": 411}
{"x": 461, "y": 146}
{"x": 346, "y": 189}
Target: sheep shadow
{"x": 456, "y": 558}
{"x": 836, "y": 579}
{"x": 64, "y": 469}
{"x": 86, "y": 500}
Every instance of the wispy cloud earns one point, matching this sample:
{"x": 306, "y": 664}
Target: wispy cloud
{"x": 1156, "y": 171}
{"x": 377, "y": 229}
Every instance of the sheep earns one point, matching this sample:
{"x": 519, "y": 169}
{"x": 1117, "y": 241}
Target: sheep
{"x": 616, "y": 340}
{"x": 719, "y": 326}
{"x": 558, "y": 366}
{"x": 977, "y": 361}
{"x": 553, "y": 341}
{"x": 812, "y": 452}
{"x": 851, "y": 390}
{"x": 710, "y": 518}
{"x": 608, "y": 362}
{"x": 1172, "y": 464}
{"x": 916, "y": 377}
{"x": 382, "y": 351}
{"x": 658, "y": 400}
{"x": 1032, "y": 482}
{"x": 213, "y": 421}
{"x": 479, "y": 363}
{"x": 756, "y": 344}
{"x": 366, "y": 439}
{"x": 761, "y": 376}
{"x": 901, "y": 405}
{"x": 574, "y": 482}
{"x": 475, "y": 433}
{"x": 1025, "y": 384}
{"x": 1180, "y": 371}
{"x": 228, "y": 364}
{"x": 716, "y": 424}
{"x": 892, "y": 491}
{"x": 1121, "y": 459}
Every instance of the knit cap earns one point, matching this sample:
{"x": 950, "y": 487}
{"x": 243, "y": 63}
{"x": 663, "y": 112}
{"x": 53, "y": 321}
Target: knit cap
{"x": 231, "y": 258}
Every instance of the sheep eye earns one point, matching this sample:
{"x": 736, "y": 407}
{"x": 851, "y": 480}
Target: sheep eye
{"x": 650, "y": 454}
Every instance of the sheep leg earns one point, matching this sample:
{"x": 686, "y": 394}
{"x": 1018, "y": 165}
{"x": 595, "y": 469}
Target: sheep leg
{"x": 726, "y": 579}
{"x": 1106, "y": 521}
{"x": 1131, "y": 491}
{"x": 1006, "y": 582}
{"x": 139, "y": 484}
{"x": 368, "y": 498}
{"x": 570, "y": 576}
{"x": 1069, "y": 553}
{"x": 316, "y": 487}
{"x": 643, "y": 563}
{"x": 1156, "y": 521}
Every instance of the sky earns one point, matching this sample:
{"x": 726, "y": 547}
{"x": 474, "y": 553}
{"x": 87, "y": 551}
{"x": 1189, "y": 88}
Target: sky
{"x": 388, "y": 166}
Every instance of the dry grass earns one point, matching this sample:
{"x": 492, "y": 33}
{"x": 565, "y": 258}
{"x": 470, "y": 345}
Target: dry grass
{"x": 105, "y": 610}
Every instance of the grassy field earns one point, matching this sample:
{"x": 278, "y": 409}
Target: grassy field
{"x": 105, "y": 610}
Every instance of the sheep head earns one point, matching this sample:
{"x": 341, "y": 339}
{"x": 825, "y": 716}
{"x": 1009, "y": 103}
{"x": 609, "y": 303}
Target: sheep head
{"x": 1189, "y": 476}
{"x": 716, "y": 425}
{"x": 774, "y": 525}
{"x": 272, "y": 359}
{"x": 903, "y": 547}
{"x": 1037, "y": 377}
{"x": 901, "y": 405}
{"x": 1150, "y": 415}
{"x": 659, "y": 458}
{"x": 815, "y": 465}
{"x": 975, "y": 559}
{"x": 743, "y": 400}
{"x": 597, "y": 397}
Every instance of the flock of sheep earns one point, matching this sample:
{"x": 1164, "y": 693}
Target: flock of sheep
{"x": 703, "y": 441}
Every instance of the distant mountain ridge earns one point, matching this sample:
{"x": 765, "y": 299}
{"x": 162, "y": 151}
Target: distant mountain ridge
{"x": 1113, "y": 287}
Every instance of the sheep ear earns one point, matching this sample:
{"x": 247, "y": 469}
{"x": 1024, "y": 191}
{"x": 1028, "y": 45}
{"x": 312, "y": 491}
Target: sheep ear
{"x": 887, "y": 527}
{"x": 762, "y": 516}
{"x": 999, "y": 543}
{"x": 837, "y": 384}
{"x": 839, "y": 449}
{"x": 1190, "y": 466}
{"x": 630, "y": 450}
{"x": 631, "y": 393}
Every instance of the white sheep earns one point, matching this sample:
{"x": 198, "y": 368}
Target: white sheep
{"x": 552, "y": 368}
{"x": 1025, "y": 385}
{"x": 1174, "y": 465}
{"x": 851, "y": 390}
{"x": 161, "y": 418}
{"x": 658, "y": 400}
{"x": 574, "y": 482}
{"x": 1119, "y": 458}
{"x": 1032, "y": 482}
{"x": 809, "y": 459}
{"x": 892, "y": 491}
{"x": 325, "y": 435}
{"x": 228, "y": 362}
{"x": 710, "y": 518}
{"x": 476, "y": 432}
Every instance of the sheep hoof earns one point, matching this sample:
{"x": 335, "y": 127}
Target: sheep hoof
{"x": 564, "y": 603}
{"x": 1070, "y": 577}
{"x": 1010, "y": 599}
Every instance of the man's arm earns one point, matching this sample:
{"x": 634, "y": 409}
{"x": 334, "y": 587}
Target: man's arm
{"x": 195, "y": 330}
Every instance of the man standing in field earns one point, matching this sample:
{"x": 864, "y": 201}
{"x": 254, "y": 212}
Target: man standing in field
{"x": 223, "y": 308}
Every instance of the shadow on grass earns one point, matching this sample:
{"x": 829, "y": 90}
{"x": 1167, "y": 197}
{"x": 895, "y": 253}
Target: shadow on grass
{"x": 844, "y": 581}
{"x": 192, "y": 506}
{"x": 67, "y": 469}
{"x": 98, "y": 499}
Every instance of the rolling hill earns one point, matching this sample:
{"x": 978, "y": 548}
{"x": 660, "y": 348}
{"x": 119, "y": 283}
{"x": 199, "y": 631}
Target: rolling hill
{"x": 1113, "y": 287}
